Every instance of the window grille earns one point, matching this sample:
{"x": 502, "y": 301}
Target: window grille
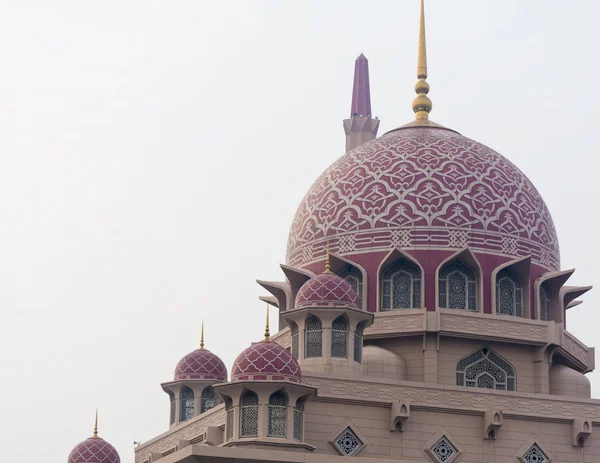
{"x": 535, "y": 455}
{"x": 339, "y": 338}
{"x": 208, "y": 399}
{"x": 509, "y": 294}
{"x": 484, "y": 368}
{"x": 443, "y": 450}
{"x": 401, "y": 286}
{"x": 187, "y": 404}
{"x": 354, "y": 276}
{"x": 457, "y": 287}
{"x": 229, "y": 421}
{"x": 295, "y": 341}
{"x": 313, "y": 339}
{"x": 172, "y": 411}
{"x": 358, "y": 340}
{"x": 249, "y": 415}
{"x": 545, "y": 303}
{"x": 348, "y": 443}
{"x": 277, "y": 415}
{"x": 298, "y": 421}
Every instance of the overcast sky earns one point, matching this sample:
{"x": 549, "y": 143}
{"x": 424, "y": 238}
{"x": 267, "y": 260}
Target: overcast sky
{"x": 153, "y": 154}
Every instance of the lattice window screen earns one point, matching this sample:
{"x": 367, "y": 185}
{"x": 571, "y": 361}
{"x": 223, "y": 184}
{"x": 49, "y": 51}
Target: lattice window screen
{"x": 229, "y": 423}
{"x": 187, "y": 404}
{"x": 277, "y": 415}
{"x": 545, "y": 303}
{"x": 208, "y": 399}
{"x": 484, "y": 368}
{"x": 249, "y": 415}
{"x": 339, "y": 338}
{"x": 358, "y": 341}
{"x": 313, "y": 339}
{"x": 401, "y": 286}
{"x": 295, "y": 341}
{"x": 535, "y": 455}
{"x": 509, "y": 294}
{"x": 457, "y": 287}
{"x": 298, "y": 421}
{"x": 354, "y": 276}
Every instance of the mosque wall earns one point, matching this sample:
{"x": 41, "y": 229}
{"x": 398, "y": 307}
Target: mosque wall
{"x": 411, "y": 350}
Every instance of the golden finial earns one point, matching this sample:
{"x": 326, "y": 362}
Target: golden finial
{"x": 267, "y": 334}
{"x": 422, "y": 104}
{"x": 96, "y": 426}
{"x": 327, "y": 263}
{"x": 202, "y": 337}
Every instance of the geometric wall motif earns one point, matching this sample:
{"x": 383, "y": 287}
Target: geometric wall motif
{"x": 423, "y": 188}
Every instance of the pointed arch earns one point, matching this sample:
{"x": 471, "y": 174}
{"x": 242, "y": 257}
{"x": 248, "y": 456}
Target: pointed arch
{"x": 401, "y": 277}
{"x": 249, "y": 414}
{"x": 277, "y": 421}
{"x": 458, "y": 281}
{"x": 353, "y": 273}
{"x": 510, "y": 288}
{"x": 548, "y": 306}
{"x": 186, "y": 404}
{"x": 208, "y": 399}
{"x": 486, "y": 369}
{"x": 339, "y": 337}
{"x": 313, "y": 337}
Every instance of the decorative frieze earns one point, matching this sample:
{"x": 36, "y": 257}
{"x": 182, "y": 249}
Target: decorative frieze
{"x": 396, "y": 323}
{"x": 575, "y": 348}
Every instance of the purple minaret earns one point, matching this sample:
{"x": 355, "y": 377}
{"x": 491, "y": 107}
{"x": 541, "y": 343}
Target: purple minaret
{"x": 361, "y": 127}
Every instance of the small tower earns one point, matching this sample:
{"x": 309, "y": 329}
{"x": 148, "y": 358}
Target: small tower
{"x": 264, "y": 401}
{"x": 191, "y": 392}
{"x": 361, "y": 127}
{"x": 94, "y": 449}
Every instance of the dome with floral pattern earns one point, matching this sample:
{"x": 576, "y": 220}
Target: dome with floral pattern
{"x": 327, "y": 290}
{"x": 266, "y": 361}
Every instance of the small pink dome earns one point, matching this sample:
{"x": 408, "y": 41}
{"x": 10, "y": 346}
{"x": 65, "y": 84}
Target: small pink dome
{"x": 201, "y": 364}
{"x": 94, "y": 450}
{"x": 266, "y": 361}
{"x": 327, "y": 290}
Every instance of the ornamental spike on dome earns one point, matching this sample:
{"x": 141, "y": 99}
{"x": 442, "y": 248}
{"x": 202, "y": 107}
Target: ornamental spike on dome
{"x": 422, "y": 104}
{"x": 267, "y": 334}
{"x": 95, "y": 436}
{"x": 202, "y": 336}
{"x": 327, "y": 262}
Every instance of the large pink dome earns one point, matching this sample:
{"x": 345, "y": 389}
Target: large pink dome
{"x": 423, "y": 188}
{"x": 201, "y": 364}
{"x": 327, "y": 290}
{"x": 266, "y": 361}
{"x": 94, "y": 450}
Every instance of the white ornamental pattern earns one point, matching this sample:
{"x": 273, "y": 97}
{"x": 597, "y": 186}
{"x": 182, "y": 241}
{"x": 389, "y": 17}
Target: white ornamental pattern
{"x": 423, "y": 188}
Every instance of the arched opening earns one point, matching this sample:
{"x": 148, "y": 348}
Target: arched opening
{"x": 295, "y": 340}
{"x": 486, "y": 369}
{"x": 313, "y": 337}
{"x": 208, "y": 399}
{"x": 298, "y": 420}
{"x": 509, "y": 293}
{"x": 277, "y": 426}
{"x": 358, "y": 342}
{"x": 339, "y": 338}
{"x": 353, "y": 276}
{"x": 186, "y": 404}
{"x": 545, "y": 303}
{"x": 457, "y": 287}
{"x": 249, "y": 415}
{"x": 400, "y": 286}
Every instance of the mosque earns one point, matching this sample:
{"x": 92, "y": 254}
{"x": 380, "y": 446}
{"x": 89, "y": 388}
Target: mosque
{"x": 423, "y": 312}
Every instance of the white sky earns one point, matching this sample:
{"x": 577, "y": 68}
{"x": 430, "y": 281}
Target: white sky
{"x": 153, "y": 153}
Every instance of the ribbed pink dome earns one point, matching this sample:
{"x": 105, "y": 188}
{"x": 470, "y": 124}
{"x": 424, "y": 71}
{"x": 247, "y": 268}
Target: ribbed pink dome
{"x": 423, "y": 189}
{"x": 327, "y": 290}
{"x": 201, "y": 364}
{"x": 94, "y": 450}
{"x": 266, "y": 361}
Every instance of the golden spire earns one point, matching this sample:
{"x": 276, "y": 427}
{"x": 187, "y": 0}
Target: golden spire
{"x": 422, "y": 104}
{"x": 202, "y": 337}
{"x": 267, "y": 334}
{"x": 96, "y": 426}
{"x": 327, "y": 263}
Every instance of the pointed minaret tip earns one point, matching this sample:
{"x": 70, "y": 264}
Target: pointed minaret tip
{"x": 202, "y": 336}
{"x": 422, "y": 104}
{"x": 95, "y": 435}
{"x": 361, "y": 92}
{"x": 267, "y": 332}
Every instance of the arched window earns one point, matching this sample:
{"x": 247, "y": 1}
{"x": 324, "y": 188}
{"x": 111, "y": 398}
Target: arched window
{"x": 172, "y": 414}
{"x": 298, "y": 420}
{"x": 208, "y": 399}
{"x": 354, "y": 276}
{"x": 545, "y": 303}
{"x": 295, "y": 340}
{"x": 339, "y": 338}
{"x": 187, "y": 404}
{"x": 229, "y": 409}
{"x": 313, "y": 338}
{"x": 401, "y": 286}
{"x": 358, "y": 341}
{"x": 484, "y": 368}
{"x": 509, "y": 293}
{"x": 249, "y": 415}
{"x": 277, "y": 415}
{"x": 458, "y": 287}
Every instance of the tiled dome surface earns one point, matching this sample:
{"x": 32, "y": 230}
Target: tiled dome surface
{"x": 327, "y": 290}
{"x": 94, "y": 450}
{"x": 201, "y": 364}
{"x": 266, "y": 361}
